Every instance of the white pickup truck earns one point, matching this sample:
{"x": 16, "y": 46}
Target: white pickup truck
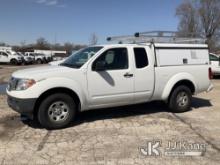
{"x": 10, "y": 57}
{"x": 111, "y": 75}
{"x": 36, "y": 57}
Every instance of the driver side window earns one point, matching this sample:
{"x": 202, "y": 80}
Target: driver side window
{"x": 113, "y": 59}
{"x": 4, "y": 54}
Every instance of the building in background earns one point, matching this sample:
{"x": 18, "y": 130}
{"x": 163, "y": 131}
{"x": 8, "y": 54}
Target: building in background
{"x": 52, "y": 54}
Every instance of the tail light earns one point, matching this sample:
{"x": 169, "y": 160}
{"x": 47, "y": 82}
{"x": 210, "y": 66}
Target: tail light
{"x": 210, "y": 74}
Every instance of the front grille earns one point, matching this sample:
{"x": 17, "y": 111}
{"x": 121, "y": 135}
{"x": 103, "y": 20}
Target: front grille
{"x": 12, "y": 84}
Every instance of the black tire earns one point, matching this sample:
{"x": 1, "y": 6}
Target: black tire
{"x": 47, "y": 110}
{"x": 14, "y": 62}
{"x": 39, "y": 61}
{"x": 180, "y": 99}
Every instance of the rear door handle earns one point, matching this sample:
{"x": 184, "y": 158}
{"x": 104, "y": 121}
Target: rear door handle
{"x": 128, "y": 75}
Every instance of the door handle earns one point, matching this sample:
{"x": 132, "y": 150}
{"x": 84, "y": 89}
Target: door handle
{"x": 128, "y": 75}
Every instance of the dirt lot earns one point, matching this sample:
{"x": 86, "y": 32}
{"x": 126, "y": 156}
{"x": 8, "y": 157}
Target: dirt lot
{"x": 114, "y": 136}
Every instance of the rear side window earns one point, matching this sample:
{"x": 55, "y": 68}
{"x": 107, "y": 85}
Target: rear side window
{"x": 141, "y": 59}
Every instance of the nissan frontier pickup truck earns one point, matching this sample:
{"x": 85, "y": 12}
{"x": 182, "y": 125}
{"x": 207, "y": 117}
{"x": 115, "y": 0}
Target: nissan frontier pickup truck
{"x": 111, "y": 75}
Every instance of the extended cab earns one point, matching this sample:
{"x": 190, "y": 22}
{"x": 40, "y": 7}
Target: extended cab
{"x": 111, "y": 75}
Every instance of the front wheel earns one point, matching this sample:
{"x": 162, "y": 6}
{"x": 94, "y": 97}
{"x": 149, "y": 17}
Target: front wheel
{"x": 57, "y": 111}
{"x": 180, "y": 99}
{"x": 14, "y": 62}
{"x": 39, "y": 61}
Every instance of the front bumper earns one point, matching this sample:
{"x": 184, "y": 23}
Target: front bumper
{"x": 22, "y": 106}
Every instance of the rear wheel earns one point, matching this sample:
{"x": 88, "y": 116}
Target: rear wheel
{"x": 180, "y": 99}
{"x": 56, "y": 111}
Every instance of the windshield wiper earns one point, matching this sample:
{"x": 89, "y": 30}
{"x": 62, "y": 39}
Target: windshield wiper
{"x": 69, "y": 65}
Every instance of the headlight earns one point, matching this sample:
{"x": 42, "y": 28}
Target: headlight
{"x": 23, "y": 84}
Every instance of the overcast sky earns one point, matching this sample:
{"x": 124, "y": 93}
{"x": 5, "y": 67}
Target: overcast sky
{"x": 75, "y": 20}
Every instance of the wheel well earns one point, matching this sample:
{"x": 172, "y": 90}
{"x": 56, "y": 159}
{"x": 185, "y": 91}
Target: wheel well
{"x": 187, "y": 83}
{"x": 13, "y": 59}
{"x": 57, "y": 90}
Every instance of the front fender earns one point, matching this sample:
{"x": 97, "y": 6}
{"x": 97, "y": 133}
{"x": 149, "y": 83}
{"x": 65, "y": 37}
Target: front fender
{"x": 175, "y": 79}
{"x": 46, "y": 84}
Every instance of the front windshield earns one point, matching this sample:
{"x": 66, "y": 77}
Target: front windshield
{"x": 8, "y": 52}
{"x": 11, "y": 52}
{"x": 79, "y": 58}
{"x": 20, "y": 54}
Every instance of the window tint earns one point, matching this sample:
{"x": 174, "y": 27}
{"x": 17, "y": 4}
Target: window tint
{"x": 114, "y": 59}
{"x": 141, "y": 59}
{"x": 213, "y": 58}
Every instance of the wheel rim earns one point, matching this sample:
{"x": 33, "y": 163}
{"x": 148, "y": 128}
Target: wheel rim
{"x": 58, "y": 111}
{"x": 182, "y": 99}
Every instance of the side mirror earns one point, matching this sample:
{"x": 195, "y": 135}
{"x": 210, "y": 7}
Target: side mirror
{"x": 100, "y": 66}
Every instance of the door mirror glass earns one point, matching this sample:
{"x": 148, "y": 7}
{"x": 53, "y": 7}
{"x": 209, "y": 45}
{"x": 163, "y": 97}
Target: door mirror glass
{"x": 100, "y": 66}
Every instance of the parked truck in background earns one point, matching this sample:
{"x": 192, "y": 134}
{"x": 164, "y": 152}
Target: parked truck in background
{"x": 37, "y": 58}
{"x": 10, "y": 57}
{"x": 215, "y": 63}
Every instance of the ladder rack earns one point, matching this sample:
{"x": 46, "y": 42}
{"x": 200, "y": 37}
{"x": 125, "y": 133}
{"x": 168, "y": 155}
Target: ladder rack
{"x": 157, "y": 36}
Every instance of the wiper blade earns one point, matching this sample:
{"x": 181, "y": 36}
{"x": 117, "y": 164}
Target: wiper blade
{"x": 69, "y": 65}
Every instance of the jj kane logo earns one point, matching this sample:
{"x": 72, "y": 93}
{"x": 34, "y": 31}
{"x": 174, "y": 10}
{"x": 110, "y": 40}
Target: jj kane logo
{"x": 173, "y": 148}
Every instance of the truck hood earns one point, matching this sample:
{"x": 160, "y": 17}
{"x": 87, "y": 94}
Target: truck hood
{"x": 38, "y": 73}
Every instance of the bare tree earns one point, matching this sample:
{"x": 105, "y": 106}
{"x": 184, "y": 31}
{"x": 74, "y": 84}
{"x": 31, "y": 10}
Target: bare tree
{"x": 200, "y": 17}
{"x": 209, "y": 11}
{"x": 42, "y": 43}
{"x": 68, "y": 47}
{"x": 189, "y": 24}
{"x": 3, "y": 44}
{"x": 93, "y": 39}
{"x": 23, "y": 43}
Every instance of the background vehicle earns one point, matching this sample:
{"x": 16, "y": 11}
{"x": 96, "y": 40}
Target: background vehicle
{"x": 10, "y": 57}
{"x": 26, "y": 59}
{"x": 48, "y": 58}
{"x": 38, "y": 58}
{"x": 112, "y": 75}
{"x": 215, "y": 63}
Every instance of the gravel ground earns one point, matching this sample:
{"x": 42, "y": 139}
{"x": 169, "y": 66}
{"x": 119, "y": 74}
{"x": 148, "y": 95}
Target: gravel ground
{"x": 114, "y": 136}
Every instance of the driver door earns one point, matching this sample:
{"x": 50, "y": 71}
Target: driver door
{"x": 113, "y": 83}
